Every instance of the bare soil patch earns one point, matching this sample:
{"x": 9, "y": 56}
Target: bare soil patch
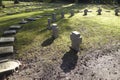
{"x": 100, "y": 64}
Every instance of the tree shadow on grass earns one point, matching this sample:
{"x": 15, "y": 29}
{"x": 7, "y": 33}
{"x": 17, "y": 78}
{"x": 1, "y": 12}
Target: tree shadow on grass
{"x": 69, "y": 61}
{"x": 70, "y": 16}
{"x": 48, "y": 42}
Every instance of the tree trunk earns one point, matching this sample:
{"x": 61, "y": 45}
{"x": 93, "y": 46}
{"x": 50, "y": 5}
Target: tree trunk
{"x": 0, "y": 2}
{"x": 118, "y": 1}
{"x": 76, "y": 1}
{"x": 16, "y": 1}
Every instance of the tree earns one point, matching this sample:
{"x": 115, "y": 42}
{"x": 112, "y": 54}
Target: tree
{"x": 118, "y": 1}
{"x": 16, "y": 1}
{"x": 76, "y": 1}
{"x": 0, "y": 2}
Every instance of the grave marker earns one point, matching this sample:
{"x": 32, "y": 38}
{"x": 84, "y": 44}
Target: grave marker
{"x": 54, "y": 17}
{"x": 15, "y": 27}
{"x": 54, "y": 30}
{"x": 85, "y": 12}
{"x": 76, "y": 40}
{"x": 116, "y": 12}
{"x": 31, "y": 19}
{"x": 10, "y": 13}
{"x": 39, "y": 16}
{"x": 23, "y": 21}
{"x": 71, "y": 13}
{"x": 9, "y": 32}
{"x": 6, "y": 50}
{"x": 49, "y": 23}
{"x": 6, "y": 40}
{"x": 56, "y": 9}
{"x": 8, "y": 66}
{"x": 99, "y": 11}
{"x": 62, "y": 14}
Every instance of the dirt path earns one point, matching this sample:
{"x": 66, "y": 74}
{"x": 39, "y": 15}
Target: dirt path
{"x": 101, "y": 64}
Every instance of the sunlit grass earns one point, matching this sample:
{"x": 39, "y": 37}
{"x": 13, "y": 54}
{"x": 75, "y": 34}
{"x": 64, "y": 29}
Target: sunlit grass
{"x": 96, "y": 31}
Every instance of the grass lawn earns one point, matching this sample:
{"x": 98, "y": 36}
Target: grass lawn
{"x": 96, "y": 31}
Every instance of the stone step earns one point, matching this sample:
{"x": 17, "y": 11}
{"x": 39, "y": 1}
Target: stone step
{"x": 15, "y": 27}
{"x": 4, "y": 40}
{"x": 9, "y": 32}
{"x": 6, "y": 50}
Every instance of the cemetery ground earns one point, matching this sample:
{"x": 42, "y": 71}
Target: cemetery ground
{"x": 51, "y": 59}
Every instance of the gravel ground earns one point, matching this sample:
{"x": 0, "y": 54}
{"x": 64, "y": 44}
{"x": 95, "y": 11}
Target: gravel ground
{"x": 100, "y": 64}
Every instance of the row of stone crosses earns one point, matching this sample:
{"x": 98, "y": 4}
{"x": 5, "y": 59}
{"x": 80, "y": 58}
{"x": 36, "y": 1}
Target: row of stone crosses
{"x": 99, "y": 12}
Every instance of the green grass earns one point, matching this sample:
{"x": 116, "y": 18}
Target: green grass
{"x": 96, "y": 31}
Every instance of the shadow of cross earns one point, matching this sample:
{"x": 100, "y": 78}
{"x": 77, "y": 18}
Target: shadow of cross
{"x": 69, "y": 61}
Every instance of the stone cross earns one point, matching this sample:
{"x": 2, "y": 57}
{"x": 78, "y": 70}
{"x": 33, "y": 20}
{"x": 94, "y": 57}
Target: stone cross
{"x": 62, "y": 14}
{"x": 85, "y": 12}
{"x": 71, "y": 13}
{"x": 76, "y": 40}
{"x": 99, "y": 11}
{"x": 54, "y": 17}
{"x": 23, "y": 20}
{"x": 54, "y": 30}
{"x": 116, "y": 12}
{"x": 49, "y": 23}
